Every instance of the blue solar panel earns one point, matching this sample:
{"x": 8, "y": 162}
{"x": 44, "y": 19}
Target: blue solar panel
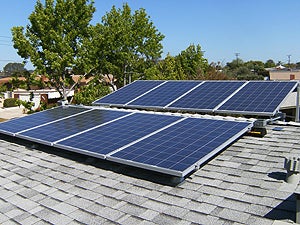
{"x": 128, "y": 93}
{"x": 258, "y": 98}
{"x": 164, "y": 94}
{"x": 70, "y": 126}
{"x": 17, "y": 125}
{"x": 207, "y": 96}
{"x": 110, "y": 137}
{"x": 179, "y": 148}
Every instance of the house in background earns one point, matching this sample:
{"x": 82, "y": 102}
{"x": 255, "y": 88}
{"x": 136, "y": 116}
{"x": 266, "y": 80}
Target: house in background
{"x": 282, "y": 73}
{"x": 49, "y": 96}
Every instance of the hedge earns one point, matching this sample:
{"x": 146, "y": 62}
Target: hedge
{"x": 10, "y": 102}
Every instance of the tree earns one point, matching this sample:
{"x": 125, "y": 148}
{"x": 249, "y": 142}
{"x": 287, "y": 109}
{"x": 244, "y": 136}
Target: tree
{"x": 193, "y": 63}
{"x": 53, "y": 39}
{"x": 269, "y": 64}
{"x": 14, "y": 67}
{"x": 167, "y": 69}
{"x": 234, "y": 64}
{"x": 93, "y": 91}
{"x": 124, "y": 43}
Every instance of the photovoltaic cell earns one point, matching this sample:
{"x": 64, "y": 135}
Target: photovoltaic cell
{"x": 107, "y": 138}
{"x": 127, "y": 93}
{"x": 72, "y": 125}
{"x": 177, "y": 149}
{"x": 207, "y": 96}
{"x": 36, "y": 119}
{"x": 258, "y": 97}
{"x": 164, "y": 94}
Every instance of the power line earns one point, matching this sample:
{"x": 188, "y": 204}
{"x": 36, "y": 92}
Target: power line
{"x": 2, "y": 36}
{"x": 6, "y": 44}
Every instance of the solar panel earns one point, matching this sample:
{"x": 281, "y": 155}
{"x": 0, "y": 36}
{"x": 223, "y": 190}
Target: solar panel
{"x": 105, "y": 139}
{"x": 164, "y": 94}
{"x": 179, "y": 149}
{"x": 166, "y": 143}
{"x": 69, "y": 126}
{"x": 207, "y": 96}
{"x": 16, "y": 125}
{"x": 258, "y": 98}
{"x": 128, "y": 93}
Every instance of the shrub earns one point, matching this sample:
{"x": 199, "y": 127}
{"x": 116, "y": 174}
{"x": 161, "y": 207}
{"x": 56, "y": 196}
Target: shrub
{"x": 10, "y": 102}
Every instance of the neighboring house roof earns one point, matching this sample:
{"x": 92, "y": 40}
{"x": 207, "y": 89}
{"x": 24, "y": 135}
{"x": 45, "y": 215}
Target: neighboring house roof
{"x": 8, "y": 79}
{"x": 81, "y": 79}
{"x": 242, "y": 185}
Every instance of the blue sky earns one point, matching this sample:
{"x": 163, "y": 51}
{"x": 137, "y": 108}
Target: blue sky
{"x": 256, "y": 29}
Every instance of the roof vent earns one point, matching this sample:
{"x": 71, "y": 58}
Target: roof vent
{"x": 292, "y": 165}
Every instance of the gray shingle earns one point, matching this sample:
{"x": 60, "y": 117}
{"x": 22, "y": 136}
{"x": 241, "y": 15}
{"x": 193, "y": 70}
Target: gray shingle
{"x": 164, "y": 219}
{"x": 234, "y": 215}
{"x": 86, "y": 218}
{"x": 129, "y": 220}
{"x": 30, "y": 220}
{"x": 64, "y": 208}
{"x": 81, "y": 203}
{"x": 131, "y": 209}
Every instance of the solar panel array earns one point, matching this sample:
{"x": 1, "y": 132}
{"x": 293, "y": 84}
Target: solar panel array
{"x": 230, "y": 97}
{"x": 170, "y": 144}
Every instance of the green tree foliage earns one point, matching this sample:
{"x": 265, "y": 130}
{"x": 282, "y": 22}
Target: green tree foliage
{"x": 234, "y": 64}
{"x": 251, "y": 70}
{"x": 124, "y": 43}
{"x": 10, "y": 102}
{"x": 14, "y": 68}
{"x": 215, "y": 72}
{"x": 53, "y": 39}
{"x": 188, "y": 65}
{"x": 269, "y": 64}
{"x": 192, "y": 62}
{"x": 167, "y": 69}
{"x": 88, "y": 94}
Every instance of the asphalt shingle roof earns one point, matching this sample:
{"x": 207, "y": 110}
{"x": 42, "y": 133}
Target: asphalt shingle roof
{"x": 242, "y": 185}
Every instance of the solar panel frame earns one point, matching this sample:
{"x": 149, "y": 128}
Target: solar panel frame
{"x": 14, "y": 126}
{"x": 121, "y": 97}
{"x": 241, "y": 127}
{"x": 249, "y": 93}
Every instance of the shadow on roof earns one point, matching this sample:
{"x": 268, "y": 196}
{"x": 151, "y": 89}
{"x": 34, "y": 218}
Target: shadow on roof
{"x": 286, "y": 210}
{"x": 277, "y": 175}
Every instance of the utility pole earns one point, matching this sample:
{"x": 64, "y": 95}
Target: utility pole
{"x": 289, "y": 61}
{"x": 237, "y": 58}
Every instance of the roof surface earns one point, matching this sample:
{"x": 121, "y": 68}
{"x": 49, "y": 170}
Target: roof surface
{"x": 242, "y": 185}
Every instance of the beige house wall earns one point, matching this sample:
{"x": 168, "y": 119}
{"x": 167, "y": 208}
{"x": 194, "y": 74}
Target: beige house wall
{"x": 284, "y": 75}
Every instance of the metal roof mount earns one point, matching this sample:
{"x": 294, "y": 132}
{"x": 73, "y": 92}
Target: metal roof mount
{"x": 259, "y": 128}
{"x": 292, "y": 165}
